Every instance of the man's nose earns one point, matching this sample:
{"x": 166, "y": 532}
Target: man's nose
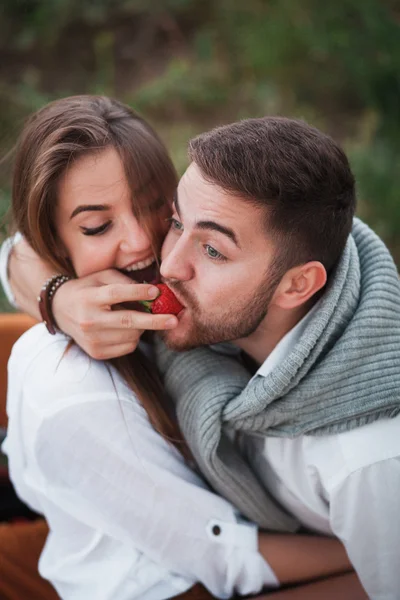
{"x": 176, "y": 260}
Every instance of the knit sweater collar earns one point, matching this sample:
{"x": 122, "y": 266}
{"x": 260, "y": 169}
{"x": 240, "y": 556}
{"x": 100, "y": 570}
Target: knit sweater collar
{"x": 344, "y": 371}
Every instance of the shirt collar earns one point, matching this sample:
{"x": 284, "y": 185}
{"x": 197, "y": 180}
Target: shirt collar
{"x": 283, "y": 348}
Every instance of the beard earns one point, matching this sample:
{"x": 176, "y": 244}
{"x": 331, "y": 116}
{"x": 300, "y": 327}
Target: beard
{"x": 239, "y": 320}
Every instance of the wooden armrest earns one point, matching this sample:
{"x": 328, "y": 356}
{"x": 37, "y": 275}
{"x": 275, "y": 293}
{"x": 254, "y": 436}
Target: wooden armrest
{"x": 12, "y": 326}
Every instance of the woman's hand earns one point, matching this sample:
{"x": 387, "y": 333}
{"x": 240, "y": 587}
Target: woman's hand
{"x": 85, "y": 310}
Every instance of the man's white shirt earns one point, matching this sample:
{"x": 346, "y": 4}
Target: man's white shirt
{"x": 346, "y": 484}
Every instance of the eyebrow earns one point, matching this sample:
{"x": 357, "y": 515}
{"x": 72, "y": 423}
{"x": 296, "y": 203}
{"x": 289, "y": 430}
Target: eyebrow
{"x": 89, "y": 207}
{"x": 210, "y": 225}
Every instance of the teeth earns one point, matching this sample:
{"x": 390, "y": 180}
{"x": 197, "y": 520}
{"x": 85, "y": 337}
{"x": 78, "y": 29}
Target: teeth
{"x": 140, "y": 265}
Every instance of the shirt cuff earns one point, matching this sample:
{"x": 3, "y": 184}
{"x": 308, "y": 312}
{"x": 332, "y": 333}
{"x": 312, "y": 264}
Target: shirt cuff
{"x": 5, "y": 252}
{"x": 249, "y": 571}
{"x": 270, "y": 580}
{"x": 257, "y": 563}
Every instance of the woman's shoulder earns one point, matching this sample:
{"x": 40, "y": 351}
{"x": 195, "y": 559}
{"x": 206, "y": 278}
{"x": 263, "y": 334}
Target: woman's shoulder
{"x": 37, "y": 345}
{"x": 36, "y": 339}
{"x": 51, "y": 363}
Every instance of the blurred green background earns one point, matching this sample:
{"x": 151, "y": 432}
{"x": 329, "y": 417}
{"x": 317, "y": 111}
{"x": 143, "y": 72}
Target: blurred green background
{"x": 188, "y": 65}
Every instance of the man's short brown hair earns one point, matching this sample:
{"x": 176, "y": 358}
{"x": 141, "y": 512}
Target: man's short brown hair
{"x": 299, "y": 174}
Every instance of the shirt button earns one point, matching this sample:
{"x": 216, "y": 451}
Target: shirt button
{"x": 216, "y": 530}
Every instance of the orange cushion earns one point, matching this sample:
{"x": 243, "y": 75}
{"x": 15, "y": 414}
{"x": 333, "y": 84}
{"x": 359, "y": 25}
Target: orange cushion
{"x": 12, "y": 326}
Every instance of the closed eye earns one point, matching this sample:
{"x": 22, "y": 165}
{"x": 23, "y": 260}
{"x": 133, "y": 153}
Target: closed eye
{"x": 96, "y": 230}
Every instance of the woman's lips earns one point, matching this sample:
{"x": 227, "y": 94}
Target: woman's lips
{"x": 149, "y": 274}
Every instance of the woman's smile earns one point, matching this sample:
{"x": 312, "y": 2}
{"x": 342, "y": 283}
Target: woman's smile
{"x": 148, "y": 273}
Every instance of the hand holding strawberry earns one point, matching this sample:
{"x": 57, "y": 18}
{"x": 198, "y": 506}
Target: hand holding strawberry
{"x": 165, "y": 303}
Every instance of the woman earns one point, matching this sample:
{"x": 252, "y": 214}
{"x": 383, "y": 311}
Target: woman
{"x": 91, "y": 444}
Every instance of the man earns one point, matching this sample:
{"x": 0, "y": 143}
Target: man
{"x": 259, "y": 254}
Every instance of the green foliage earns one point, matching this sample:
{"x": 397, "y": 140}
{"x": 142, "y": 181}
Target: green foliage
{"x": 4, "y": 207}
{"x": 184, "y": 88}
{"x": 4, "y": 210}
{"x": 191, "y": 64}
{"x": 175, "y": 137}
{"x": 347, "y": 51}
{"x": 377, "y": 169}
{"x": 4, "y": 304}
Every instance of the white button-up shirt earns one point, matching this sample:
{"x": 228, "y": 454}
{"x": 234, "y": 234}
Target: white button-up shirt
{"x": 128, "y": 518}
{"x": 346, "y": 484}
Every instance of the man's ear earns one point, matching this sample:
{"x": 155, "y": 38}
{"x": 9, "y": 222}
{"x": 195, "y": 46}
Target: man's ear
{"x": 299, "y": 284}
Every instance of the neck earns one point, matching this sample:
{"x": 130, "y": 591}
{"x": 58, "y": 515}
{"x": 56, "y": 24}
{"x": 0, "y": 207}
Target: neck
{"x": 275, "y": 325}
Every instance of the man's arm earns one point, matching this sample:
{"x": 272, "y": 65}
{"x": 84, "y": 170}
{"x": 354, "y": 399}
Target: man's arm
{"x": 295, "y": 558}
{"x": 345, "y": 587}
{"x": 84, "y": 308}
{"x": 301, "y": 558}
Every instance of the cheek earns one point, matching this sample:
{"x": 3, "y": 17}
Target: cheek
{"x": 214, "y": 289}
{"x": 90, "y": 256}
{"x": 222, "y": 288}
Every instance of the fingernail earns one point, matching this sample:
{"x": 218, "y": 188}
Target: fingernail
{"x": 171, "y": 323}
{"x": 153, "y": 292}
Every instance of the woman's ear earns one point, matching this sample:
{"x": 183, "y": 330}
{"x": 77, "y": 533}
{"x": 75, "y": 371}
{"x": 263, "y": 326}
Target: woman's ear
{"x": 299, "y": 284}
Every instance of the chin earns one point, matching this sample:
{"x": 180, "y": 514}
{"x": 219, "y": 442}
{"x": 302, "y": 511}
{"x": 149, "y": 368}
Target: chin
{"x": 177, "y": 341}
{"x": 173, "y": 341}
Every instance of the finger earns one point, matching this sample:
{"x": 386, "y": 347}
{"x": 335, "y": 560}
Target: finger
{"x": 111, "y": 276}
{"x": 134, "y": 320}
{"x": 108, "y": 352}
{"x": 117, "y": 293}
{"x": 98, "y": 343}
{"x": 107, "y": 337}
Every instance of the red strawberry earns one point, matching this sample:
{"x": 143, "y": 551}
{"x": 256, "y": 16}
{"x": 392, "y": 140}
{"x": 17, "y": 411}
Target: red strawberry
{"x": 165, "y": 304}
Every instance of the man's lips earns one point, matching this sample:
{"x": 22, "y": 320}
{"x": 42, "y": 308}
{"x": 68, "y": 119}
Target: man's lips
{"x": 177, "y": 295}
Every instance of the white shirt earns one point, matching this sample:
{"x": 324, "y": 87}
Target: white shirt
{"x": 128, "y": 518}
{"x": 346, "y": 484}
{"x": 5, "y": 250}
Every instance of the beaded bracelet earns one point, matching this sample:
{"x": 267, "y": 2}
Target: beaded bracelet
{"x": 45, "y": 300}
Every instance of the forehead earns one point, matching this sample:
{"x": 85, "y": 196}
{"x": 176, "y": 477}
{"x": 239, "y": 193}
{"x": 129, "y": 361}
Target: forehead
{"x": 96, "y": 177}
{"x": 201, "y": 200}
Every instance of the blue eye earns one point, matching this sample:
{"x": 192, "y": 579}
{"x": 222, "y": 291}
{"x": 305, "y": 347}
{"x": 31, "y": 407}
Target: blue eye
{"x": 96, "y": 230}
{"x": 175, "y": 224}
{"x": 213, "y": 253}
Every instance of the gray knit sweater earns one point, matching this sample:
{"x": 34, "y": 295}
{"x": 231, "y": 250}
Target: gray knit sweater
{"x": 344, "y": 372}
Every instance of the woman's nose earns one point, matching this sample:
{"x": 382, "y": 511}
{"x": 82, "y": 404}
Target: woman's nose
{"x": 134, "y": 238}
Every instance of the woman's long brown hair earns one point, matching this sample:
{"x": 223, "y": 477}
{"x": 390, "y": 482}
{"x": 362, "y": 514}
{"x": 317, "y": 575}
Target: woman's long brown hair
{"x": 53, "y": 138}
